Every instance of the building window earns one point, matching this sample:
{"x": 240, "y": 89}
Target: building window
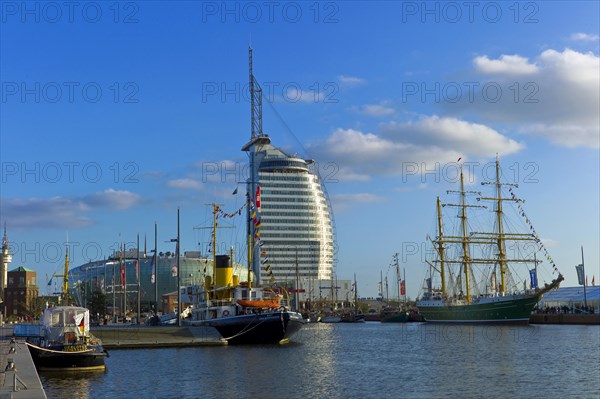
{"x": 22, "y": 280}
{"x": 11, "y": 280}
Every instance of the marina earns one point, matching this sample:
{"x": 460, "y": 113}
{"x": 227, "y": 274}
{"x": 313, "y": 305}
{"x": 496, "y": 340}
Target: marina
{"x": 351, "y": 200}
{"x": 358, "y": 358}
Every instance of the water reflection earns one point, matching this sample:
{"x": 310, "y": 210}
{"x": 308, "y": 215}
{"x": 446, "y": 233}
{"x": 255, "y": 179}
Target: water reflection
{"x": 355, "y": 361}
{"x": 70, "y": 384}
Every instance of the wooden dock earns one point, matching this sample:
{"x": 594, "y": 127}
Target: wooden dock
{"x": 18, "y": 377}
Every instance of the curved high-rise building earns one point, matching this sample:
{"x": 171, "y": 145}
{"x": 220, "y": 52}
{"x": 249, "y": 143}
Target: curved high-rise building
{"x": 295, "y": 217}
{"x": 295, "y": 235}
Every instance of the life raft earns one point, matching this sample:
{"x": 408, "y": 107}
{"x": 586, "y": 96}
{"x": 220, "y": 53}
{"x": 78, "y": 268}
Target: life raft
{"x": 259, "y": 303}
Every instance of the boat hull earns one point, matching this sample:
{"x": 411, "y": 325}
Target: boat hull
{"x": 331, "y": 319}
{"x": 57, "y": 359}
{"x": 401, "y": 317}
{"x": 501, "y": 311}
{"x": 260, "y": 328}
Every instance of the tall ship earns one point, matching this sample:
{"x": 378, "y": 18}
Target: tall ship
{"x": 474, "y": 274}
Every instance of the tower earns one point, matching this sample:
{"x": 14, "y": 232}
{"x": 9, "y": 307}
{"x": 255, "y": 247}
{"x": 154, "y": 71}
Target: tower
{"x": 294, "y": 214}
{"x": 6, "y": 259}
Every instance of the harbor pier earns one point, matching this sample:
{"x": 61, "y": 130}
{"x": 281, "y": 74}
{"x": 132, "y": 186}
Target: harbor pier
{"x": 18, "y": 377}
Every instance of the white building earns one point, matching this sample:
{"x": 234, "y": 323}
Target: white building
{"x": 296, "y": 226}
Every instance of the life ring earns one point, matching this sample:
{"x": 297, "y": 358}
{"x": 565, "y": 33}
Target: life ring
{"x": 225, "y": 313}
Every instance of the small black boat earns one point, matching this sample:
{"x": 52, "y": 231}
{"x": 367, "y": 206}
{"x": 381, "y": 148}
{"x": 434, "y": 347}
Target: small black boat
{"x": 65, "y": 341}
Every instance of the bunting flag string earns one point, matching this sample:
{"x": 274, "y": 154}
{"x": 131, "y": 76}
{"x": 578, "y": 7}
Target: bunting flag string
{"x": 255, "y": 216}
{"x": 534, "y": 234}
{"x": 222, "y": 214}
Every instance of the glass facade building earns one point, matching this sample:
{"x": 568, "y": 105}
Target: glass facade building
{"x": 296, "y": 223}
{"x": 107, "y": 276}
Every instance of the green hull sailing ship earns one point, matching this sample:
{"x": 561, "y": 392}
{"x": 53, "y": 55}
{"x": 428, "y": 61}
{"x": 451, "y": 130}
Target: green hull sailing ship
{"x": 461, "y": 286}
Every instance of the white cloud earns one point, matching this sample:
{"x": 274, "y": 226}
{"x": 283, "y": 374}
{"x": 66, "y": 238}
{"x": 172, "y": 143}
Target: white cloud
{"x": 572, "y": 66}
{"x": 376, "y": 110}
{"x": 566, "y": 135}
{"x": 505, "y": 65}
{"x": 64, "y": 212}
{"x": 54, "y": 212}
{"x": 426, "y": 143}
{"x": 350, "y": 81}
{"x": 584, "y": 37}
{"x": 470, "y": 138}
{"x": 185, "y": 184}
{"x": 294, "y": 94}
{"x": 113, "y": 199}
{"x": 560, "y": 101}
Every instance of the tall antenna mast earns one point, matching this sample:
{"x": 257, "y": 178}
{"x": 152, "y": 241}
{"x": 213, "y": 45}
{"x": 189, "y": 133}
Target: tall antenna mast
{"x": 255, "y": 102}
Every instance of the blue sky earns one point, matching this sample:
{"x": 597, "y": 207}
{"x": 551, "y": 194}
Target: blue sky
{"x": 114, "y": 114}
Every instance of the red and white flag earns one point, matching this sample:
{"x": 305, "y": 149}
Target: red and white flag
{"x": 258, "y": 198}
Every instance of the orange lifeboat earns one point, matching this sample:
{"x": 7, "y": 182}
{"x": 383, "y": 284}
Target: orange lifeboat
{"x": 259, "y": 303}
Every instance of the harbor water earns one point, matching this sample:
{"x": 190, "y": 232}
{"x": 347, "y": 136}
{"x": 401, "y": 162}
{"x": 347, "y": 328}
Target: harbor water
{"x": 363, "y": 360}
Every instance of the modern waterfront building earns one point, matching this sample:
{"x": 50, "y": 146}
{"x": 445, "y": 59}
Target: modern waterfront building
{"x": 107, "y": 275}
{"x": 296, "y": 226}
{"x": 293, "y": 231}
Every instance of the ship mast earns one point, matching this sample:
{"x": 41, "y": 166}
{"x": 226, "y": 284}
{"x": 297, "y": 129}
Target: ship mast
{"x": 501, "y": 251}
{"x": 502, "y": 237}
{"x": 65, "y": 284}
{"x": 441, "y": 246}
{"x": 464, "y": 238}
{"x": 214, "y": 242}
{"x": 465, "y": 244}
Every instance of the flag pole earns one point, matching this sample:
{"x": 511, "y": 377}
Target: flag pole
{"x": 584, "y": 281}
{"x": 178, "y": 273}
{"x": 404, "y": 281}
{"x": 137, "y": 272}
{"x": 124, "y": 281}
{"x": 155, "y": 269}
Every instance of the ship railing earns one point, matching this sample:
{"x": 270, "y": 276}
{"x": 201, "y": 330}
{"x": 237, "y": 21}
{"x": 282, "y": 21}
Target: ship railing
{"x": 218, "y": 302}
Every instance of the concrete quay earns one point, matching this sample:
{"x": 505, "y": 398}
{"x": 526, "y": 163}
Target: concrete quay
{"x": 18, "y": 377}
{"x": 138, "y": 336}
{"x": 560, "y": 318}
